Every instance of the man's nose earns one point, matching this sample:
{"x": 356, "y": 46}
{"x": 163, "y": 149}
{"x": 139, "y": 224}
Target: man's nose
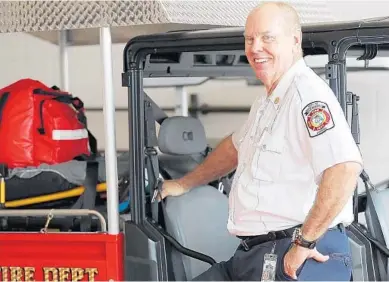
{"x": 257, "y": 45}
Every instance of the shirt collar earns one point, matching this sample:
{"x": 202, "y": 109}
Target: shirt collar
{"x": 285, "y": 81}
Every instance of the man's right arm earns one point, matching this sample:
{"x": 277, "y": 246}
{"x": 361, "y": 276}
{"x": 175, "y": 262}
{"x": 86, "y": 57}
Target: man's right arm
{"x": 218, "y": 163}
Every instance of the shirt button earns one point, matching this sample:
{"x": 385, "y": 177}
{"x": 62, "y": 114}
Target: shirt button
{"x": 264, "y": 147}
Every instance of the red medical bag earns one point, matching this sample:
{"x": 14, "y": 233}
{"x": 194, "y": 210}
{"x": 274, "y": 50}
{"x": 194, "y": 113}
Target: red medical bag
{"x": 39, "y": 124}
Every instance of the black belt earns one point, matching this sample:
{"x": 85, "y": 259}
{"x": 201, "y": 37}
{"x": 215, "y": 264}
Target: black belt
{"x": 250, "y": 241}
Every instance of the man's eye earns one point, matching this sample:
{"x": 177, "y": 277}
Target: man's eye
{"x": 249, "y": 40}
{"x": 268, "y": 38}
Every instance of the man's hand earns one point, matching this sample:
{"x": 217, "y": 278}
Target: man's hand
{"x": 297, "y": 255}
{"x": 171, "y": 188}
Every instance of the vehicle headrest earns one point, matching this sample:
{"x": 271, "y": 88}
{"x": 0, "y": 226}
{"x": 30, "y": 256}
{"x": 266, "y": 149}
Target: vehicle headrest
{"x": 180, "y": 135}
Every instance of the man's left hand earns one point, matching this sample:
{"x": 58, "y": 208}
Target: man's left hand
{"x": 297, "y": 255}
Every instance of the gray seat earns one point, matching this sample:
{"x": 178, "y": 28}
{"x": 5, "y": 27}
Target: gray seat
{"x": 182, "y": 144}
{"x": 176, "y": 166}
{"x": 197, "y": 219}
{"x": 377, "y": 221}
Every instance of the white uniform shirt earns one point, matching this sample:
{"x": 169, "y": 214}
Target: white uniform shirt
{"x": 285, "y": 145}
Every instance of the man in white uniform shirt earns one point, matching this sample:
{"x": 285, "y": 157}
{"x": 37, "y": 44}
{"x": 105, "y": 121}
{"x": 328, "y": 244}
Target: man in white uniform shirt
{"x": 296, "y": 165}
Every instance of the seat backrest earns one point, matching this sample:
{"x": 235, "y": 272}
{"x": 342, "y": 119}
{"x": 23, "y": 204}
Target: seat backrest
{"x": 197, "y": 219}
{"x": 183, "y": 145}
{"x": 176, "y": 166}
{"x": 377, "y": 221}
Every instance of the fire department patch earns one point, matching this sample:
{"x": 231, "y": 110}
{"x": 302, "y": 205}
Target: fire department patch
{"x": 318, "y": 118}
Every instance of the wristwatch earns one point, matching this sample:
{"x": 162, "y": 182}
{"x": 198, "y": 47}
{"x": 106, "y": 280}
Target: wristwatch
{"x": 299, "y": 240}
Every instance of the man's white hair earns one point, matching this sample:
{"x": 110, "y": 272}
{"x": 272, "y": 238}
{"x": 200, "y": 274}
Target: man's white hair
{"x": 290, "y": 17}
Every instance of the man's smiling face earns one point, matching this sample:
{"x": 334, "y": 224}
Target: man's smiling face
{"x": 270, "y": 44}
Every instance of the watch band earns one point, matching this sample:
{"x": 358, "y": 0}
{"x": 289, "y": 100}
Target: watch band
{"x": 298, "y": 239}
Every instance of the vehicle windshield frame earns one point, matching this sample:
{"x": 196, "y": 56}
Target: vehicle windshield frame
{"x": 334, "y": 40}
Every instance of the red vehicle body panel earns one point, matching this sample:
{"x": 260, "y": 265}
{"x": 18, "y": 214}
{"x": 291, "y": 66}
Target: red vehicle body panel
{"x": 61, "y": 257}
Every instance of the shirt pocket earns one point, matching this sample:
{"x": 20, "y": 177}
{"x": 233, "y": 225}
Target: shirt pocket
{"x": 267, "y": 159}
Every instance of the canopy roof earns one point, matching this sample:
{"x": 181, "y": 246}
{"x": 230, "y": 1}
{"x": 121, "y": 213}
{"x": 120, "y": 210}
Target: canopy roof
{"x": 133, "y": 17}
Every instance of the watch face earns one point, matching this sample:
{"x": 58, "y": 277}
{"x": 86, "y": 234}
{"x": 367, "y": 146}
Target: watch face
{"x": 299, "y": 240}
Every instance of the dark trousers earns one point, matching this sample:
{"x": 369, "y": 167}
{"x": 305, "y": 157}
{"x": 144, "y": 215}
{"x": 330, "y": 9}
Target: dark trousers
{"x": 247, "y": 265}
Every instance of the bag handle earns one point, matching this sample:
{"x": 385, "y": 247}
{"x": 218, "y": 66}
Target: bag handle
{"x": 3, "y": 100}
{"x": 79, "y": 106}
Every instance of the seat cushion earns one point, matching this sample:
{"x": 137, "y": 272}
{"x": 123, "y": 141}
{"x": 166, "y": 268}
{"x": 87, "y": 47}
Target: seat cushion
{"x": 198, "y": 220}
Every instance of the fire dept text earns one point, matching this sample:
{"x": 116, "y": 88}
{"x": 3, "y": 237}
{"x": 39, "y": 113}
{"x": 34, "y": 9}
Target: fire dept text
{"x": 26, "y": 273}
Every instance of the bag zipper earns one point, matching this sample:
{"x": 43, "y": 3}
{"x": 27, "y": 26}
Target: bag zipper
{"x": 50, "y": 93}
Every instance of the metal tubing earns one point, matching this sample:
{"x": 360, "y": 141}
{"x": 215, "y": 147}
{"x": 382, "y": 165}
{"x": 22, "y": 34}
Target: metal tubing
{"x": 343, "y": 88}
{"x": 110, "y": 132}
{"x": 63, "y": 59}
{"x": 47, "y": 212}
{"x": 136, "y": 145}
{"x": 182, "y": 107}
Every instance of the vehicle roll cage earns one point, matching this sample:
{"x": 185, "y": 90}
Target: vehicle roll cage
{"x": 220, "y": 52}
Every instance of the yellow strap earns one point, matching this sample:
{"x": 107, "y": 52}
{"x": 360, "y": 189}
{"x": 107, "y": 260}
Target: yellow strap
{"x": 102, "y": 187}
{"x": 2, "y": 191}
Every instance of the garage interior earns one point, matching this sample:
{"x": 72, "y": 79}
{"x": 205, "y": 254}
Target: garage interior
{"x": 61, "y": 43}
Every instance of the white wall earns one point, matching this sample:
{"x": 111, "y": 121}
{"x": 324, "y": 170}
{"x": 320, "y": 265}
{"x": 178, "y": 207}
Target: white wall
{"x": 28, "y": 56}
{"x": 25, "y": 56}
{"x": 374, "y": 100}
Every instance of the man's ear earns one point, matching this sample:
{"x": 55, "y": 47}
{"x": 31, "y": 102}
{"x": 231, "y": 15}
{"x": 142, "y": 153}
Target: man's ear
{"x": 297, "y": 39}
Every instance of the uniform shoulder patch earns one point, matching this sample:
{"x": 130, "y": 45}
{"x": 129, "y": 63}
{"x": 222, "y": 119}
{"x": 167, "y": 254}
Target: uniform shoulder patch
{"x": 318, "y": 118}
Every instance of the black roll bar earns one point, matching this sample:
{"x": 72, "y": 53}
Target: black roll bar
{"x": 334, "y": 40}
{"x": 136, "y": 144}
